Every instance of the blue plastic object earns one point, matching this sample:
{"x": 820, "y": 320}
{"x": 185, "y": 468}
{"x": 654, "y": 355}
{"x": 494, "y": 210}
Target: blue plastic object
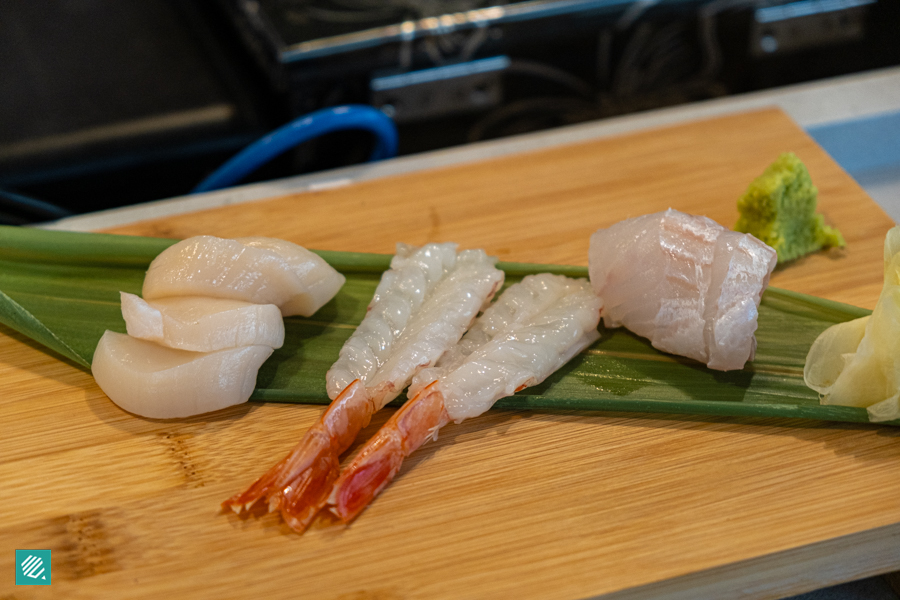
{"x": 302, "y": 129}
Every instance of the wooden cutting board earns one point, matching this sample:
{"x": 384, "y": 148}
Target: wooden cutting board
{"x": 512, "y": 504}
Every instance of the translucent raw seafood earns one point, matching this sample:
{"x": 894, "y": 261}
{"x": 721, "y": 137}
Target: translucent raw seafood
{"x": 320, "y": 280}
{"x": 413, "y": 276}
{"x": 257, "y": 270}
{"x": 421, "y": 308}
{"x": 684, "y": 282}
{"x": 533, "y": 329}
{"x": 202, "y": 324}
{"x": 153, "y": 381}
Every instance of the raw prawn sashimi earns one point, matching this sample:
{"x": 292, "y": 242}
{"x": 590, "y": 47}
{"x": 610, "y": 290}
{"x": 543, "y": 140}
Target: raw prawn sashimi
{"x": 413, "y": 276}
{"x": 533, "y": 329}
{"x": 202, "y": 324}
{"x": 150, "y": 380}
{"x": 684, "y": 282}
{"x": 257, "y": 270}
{"x": 421, "y": 308}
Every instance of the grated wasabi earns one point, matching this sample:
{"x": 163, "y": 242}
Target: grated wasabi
{"x": 779, "y": 208}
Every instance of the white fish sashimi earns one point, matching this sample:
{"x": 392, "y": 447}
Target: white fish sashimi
{"x": 684, "y": 282}
{"x": 261, "y": 271}
{"x": 153, "y": 381}
{"x": 202, "y": 324}
{"x": 535, "y": 327}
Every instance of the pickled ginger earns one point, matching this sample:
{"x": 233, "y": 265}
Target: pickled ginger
{"x": 857, "y": 363}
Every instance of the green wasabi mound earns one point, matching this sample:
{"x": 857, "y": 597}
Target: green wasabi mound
{"x": 779, "y": 208}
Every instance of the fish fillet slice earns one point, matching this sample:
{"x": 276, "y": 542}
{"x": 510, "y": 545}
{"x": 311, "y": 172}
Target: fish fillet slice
{"x": 202, "y": 324}
{"x": 153, "y": 381}
{"x": 684, "y": 282}
{"x": 257, "y": 270}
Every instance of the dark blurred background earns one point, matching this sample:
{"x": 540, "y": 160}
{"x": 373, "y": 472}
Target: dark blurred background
{"x": 108, "y": 103}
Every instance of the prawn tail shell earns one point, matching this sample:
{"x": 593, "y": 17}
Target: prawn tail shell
{"x": 310, "y": 493}
{"x": 381, "y": 458}
{"x": 371, "y": 471}
{"x": 271, "y": 485}
{"x": 244, "y": 501}
{"x": 332, "y": 434}
{"x": 347, "y": 415}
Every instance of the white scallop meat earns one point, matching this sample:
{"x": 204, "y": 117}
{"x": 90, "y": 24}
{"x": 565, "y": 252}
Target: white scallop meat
{"x": 202, "y": 324}
{"x": 257, "y": 270}
{"x": 153, "y": 381}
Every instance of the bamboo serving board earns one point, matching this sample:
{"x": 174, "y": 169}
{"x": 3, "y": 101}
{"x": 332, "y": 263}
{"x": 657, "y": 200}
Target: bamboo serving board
{"x": 512, "y": 504}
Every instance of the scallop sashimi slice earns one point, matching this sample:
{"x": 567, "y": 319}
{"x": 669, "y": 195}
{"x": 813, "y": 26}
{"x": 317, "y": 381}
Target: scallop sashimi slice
{"x": 321, "y": 280}
{"x": 257, "y": 270}
{"x": 202, "y": 324}
{"x": 684, "y": 282}
{"x": 164, "y": 383}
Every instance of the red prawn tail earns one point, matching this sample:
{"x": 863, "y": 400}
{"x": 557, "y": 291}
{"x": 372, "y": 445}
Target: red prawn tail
{"x": 261, "y": 488}
{"x": 366, "y": 476}
{"x": 305, "y": 496}
{"x": 269, "y": 485}
{"x": 332, "y": 434}
{"x": 379, "y": 461}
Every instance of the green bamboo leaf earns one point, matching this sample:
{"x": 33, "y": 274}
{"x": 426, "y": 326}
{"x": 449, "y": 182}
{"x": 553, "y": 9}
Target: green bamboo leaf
{"x": 62, "y": 290}
{"x": 12, "y": 314}
{"x": 71, "y": 247}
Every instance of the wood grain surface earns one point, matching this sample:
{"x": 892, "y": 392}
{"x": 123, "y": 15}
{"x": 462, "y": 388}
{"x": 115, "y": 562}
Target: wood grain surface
{"x": 512, "y": 504}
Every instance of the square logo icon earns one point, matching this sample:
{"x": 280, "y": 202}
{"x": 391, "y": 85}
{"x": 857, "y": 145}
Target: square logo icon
{"x": 32, "y": 567}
